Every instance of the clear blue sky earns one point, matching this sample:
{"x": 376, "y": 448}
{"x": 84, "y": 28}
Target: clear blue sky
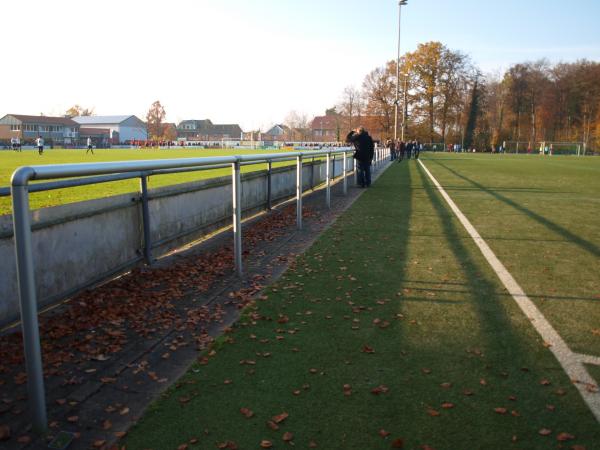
{"x": 253, "y": 61}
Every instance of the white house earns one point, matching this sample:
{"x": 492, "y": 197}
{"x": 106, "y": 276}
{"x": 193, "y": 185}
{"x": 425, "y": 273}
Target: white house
{"x": 123, "y": 129}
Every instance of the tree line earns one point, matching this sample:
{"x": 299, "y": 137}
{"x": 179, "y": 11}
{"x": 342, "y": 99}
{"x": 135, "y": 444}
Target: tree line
{"x": 445, "y": 98}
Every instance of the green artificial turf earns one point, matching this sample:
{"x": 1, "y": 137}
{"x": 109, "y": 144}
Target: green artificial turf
{"x": 10, "y": 160}
{"x": 541, "y": 216}
{"x": 392, "y": 331}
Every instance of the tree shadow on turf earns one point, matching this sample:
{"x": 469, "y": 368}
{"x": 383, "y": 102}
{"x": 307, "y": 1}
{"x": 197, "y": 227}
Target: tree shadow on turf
{"x": 582, "y": 243}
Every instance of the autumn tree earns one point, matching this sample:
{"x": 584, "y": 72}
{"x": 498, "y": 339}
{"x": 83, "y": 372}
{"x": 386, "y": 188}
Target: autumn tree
{"x": 298, "y": 125}
{"x": 437, "y": 75}
{"x": 154, "y": 119}
{"x": 379, "y": 93}
{"x": 76, "y": 110}
{"x": 351, "y": 107}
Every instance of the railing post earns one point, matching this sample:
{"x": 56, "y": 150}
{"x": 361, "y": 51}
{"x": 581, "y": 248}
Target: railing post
{"x": 328, "y": 181}
{"x": 355, "y": 172}
{"x": 345, "y": 163}
{"x": 312, "y": 174}
{"x": 269, "y": 205}
{"x": 28, "y": 306}
{"x": 237, "y": 216}
{"x": 299, "y": 192}
{"x": 146, "y": 220}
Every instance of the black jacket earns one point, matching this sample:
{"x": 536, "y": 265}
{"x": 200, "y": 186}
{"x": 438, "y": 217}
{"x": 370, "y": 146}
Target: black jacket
{"x": 363, "y": 143}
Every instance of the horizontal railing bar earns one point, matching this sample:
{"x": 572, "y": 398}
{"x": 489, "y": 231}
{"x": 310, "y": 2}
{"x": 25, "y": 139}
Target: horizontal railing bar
{"x": 25, "y": 174}
{"x": 40, "y": 187}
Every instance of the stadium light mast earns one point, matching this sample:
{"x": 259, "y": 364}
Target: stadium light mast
{"x": 401, "y": 3}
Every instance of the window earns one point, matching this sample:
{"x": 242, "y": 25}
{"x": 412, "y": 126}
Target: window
{"x": 15, "y": 127}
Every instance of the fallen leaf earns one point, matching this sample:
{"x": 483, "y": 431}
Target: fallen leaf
{"x": 368, "y": 349}
{"x": 312, "y": 444}
{"x": 397, "y": 443}
{"x": 287, "y": 436}
{"x": 500, "y": 410}
{"x": 124, "y": 411}
{"x": 272, "y": 425}
{"x": 433, "y": 412}
{"x": 545, "y": 432}
{"x": 24, "y": 440}
{"x": 266, "y": 444}
{"x": 545, "y": 382}
{"x": 247, "y": 412}
{"x": 384, "y": 433}
{"x": 120, "y": 434}
{"x": 182, "y": 447}
{"x": 99, "y": 443}
{"x": 381, "y": 389}
{"x": 280, "y": 417}
{"x": 72, "y": 419}
{"x": 106, "y": 425}
{"x": 565, "y": 437}
{"x": 4, "y": 432}
{"x": 447, "y": 405}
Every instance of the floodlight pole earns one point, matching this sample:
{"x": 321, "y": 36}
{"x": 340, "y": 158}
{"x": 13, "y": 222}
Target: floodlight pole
{"x": 401, "y": 3}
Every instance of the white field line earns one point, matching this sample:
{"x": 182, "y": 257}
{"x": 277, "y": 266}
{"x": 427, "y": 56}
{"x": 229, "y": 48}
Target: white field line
{"x": 571, "y": 362}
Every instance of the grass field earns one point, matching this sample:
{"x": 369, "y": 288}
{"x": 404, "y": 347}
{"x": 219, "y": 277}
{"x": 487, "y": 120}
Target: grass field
{"x": 393, "y": 331}
{"x": 10, "y": 160}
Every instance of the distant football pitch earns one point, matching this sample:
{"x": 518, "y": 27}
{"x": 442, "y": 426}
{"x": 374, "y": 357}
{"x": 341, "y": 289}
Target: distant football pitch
{"x": 10, "y": 160}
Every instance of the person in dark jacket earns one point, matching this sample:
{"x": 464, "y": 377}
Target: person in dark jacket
{"x": 365, "y": 149}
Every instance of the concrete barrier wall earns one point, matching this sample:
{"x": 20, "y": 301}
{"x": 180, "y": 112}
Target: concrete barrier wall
{"x": 79, "y": 244}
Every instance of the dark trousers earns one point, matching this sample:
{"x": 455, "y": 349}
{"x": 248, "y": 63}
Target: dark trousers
{"x": 364, "y": 173}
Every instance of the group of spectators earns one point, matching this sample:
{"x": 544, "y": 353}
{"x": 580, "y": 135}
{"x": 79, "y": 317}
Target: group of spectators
{"x": 400, "y": 149}
{"x": 365, "y": 150}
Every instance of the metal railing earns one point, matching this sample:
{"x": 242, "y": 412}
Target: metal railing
{"x": 112, "y": 171}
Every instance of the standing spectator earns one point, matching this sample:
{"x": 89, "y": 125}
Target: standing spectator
{"x": 90, "y": 147}
{"x": 40, "y": 145}
{"x": 364, "y": 150}
{"x": 417, "y": 146}
{"x": 401, "y": 149}
{"x": 409, "y": 149}
{"x": 392, "y": 146}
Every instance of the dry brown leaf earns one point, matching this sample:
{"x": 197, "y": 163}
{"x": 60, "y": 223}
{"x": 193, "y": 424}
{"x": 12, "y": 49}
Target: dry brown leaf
{"x": 4, "y": 432}
{"x": 565, "y": 437}
{"x": 545, "y": 432}
{"x": 280, "y": 417}
{"x": 266, "y": 444}
{"x": 287, "y": 436}
{"x": 247, "y": 412}
{"x": 24, "y": 439}
{"x": 397, "y": 443}
{"x": 384, "y": 433}
{"x": 500, "y": 410}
